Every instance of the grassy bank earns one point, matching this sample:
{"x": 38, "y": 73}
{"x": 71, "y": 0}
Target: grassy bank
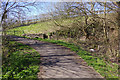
{"x": 43, "y": 27}
{"x": 36, "y": 28}
{"x": 21, "y": 62}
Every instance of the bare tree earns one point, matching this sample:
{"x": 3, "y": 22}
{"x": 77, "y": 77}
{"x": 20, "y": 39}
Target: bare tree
{"x": 15, "y": 10}
{"x": 96, "y": 23}
{"x": 118, "y": 20}
{"x": 12, "y": 10}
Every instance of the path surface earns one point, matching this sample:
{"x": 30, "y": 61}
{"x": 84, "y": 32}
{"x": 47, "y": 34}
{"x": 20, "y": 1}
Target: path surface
{"x": 58, "y": 61}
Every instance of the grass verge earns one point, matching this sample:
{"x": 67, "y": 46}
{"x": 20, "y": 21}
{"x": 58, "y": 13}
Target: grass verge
{"x": 106, "y": 69}
{"x": 21, "y": 62}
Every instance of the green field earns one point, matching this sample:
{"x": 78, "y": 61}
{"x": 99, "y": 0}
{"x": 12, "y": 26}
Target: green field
{"x": 43, "y": 27}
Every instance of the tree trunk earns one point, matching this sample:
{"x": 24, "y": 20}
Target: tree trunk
{"x": 104, "y": 24}
{"x": 118, "y": 21}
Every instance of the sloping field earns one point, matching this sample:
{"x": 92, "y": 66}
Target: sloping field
{"x": 43, "y": 27}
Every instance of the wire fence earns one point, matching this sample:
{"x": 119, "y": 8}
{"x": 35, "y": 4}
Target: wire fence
{"x": 15, "y": 32}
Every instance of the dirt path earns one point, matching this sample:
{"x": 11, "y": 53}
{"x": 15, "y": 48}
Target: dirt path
{"x": 58, "y": 61}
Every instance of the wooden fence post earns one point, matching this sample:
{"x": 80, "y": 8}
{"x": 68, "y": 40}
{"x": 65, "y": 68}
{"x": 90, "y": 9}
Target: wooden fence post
{"x": 14, "y": 32}
{"x": 23, "y": 32}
